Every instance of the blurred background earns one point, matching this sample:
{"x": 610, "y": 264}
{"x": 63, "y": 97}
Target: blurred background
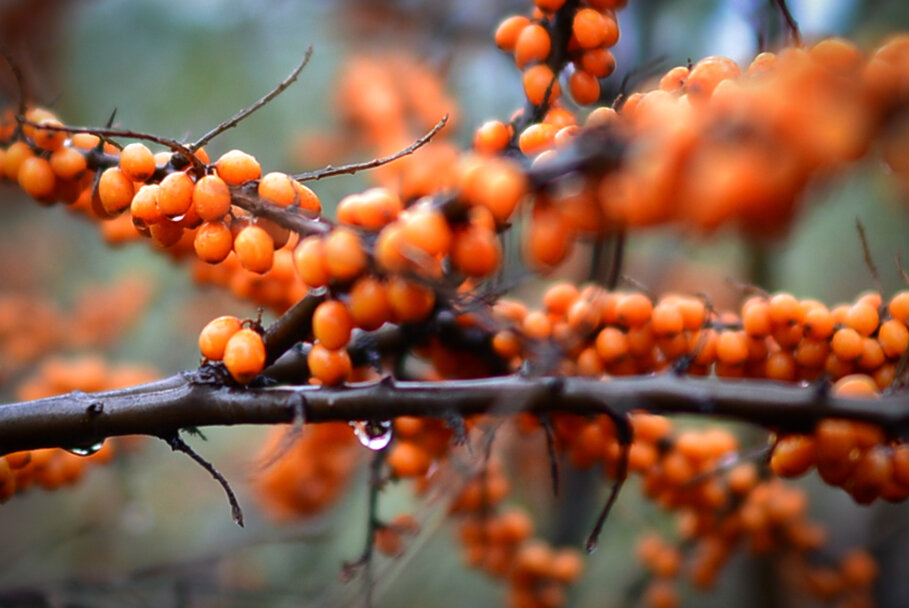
{"x": 152, "y": 529}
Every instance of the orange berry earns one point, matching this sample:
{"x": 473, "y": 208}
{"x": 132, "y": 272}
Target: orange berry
{"x": 344, "y": 255}
{"x": 533, "y": 44}
{"x": 214, "y": 336}
{"x": 49, "y": 139}
{"x": 175, "y": 195}
{"x": 666, "y": 319}
{"x": 476, "y": 251}
{"x": 899, "y": 307}
{"x": 213, "y": 242}
{"x": 599, "y": 63}
{"x": 410, "y": 301}
{"x": 819, "y": 323}
{"x": 584, "y": 87}
{"x": 68, "y": 163}
{"x": 369, "y": 305}
{"x": 332, "y": 324}
{"x": 784, "y": 310}
{"x": 211, "y": 198}
{"x": 756, "y": 318}
{"x": 277, "y": 188}
{"x": 491, "y": 137}
{"x": 309, "y": 260}
{"x": 847, "y": 344}
{"x": 538, "y": 80}
{"x": 863, "y": 318}
{"x": 37, "y": 178}
{"x": 115, "y": 190}
{"x": 536, "y": 138}
{"x": 674, "y": 79}
{"x": 407, "y": 459}
{"x": 14, "y": 157}
{"x": 331, "y": 367}
{"x": 244, "y": 355}
{"x": 549, "y": 236}
{"x": 589, "y": 28}
{"x": 732, "y": 347}
{"x": 236, "y": 167}
{"x": 255, "y": 249}
{"x": 611, "y": 345}
{"x": 558, "y": 298}
{"x": 166, "y": 232}
{"x": 144, "y": 206}
{"x": 506, "y": 35}
{"x": 633, "y": 309}
{"x": 137, "y": 162}
{"x": 427, "y": 229}
{"x": 893, "y": 337}
{"x": 707, "y": 74}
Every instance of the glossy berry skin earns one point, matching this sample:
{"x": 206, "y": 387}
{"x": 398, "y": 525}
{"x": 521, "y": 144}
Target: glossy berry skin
{"x": 244, "y": 355}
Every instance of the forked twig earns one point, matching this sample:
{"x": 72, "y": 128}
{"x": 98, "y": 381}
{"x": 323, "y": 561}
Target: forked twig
{"x": 329, "y": 170}
{"x": 178, "y": 445}
{"x": 20, "y": 80}
{"x": 234, "y": 120}
{"x": 791, "y": 23}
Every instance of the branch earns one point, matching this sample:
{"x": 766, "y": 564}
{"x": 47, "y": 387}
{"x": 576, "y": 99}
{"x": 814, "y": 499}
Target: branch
{"x": 162, "y": 408}
{"x": 234, "y": 120}
{"x": 376, "y": 162}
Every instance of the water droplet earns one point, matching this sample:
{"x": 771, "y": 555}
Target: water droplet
{"x": 372, "y": 433}
{"x": 86, "y": 450}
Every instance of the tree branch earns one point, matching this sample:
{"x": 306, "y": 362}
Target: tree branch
{"x": 162, "y": 408}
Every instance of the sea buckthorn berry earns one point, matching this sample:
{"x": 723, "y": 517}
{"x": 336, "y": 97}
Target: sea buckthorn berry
{"x": 894, "y": 338}
{"x": 872, "y": 356}
{"x": 666, "y": 319}
{"x": 491, "y": 137}
{"x": 211, "y": 198}
{"x": 166, "y": 232}
{"x": 344, "y": 255}
{"x": 49, "y": 139}
{"x": 14, "y": 157}
{"x": 37, "y": 178}
{"x": 213, "y": 242}
{"x": 589, "y": 28}
{"x": 732, "y": 347}
{"x": 410, "y": 301}
{"x": 674, "y": 79}
{"x": 309, "y": 260}
{"x": 785, "y": 310}
{"x": 369, "y": 305}
{"x": 407, "y": 459}
{"x": 633, "y": 309}
{"x": 375, "y": 208}
{"x": 236, "y": 167}
{"x": 476, "y": 251}
{"x": 756, "y": 318}
{"x": 277, "y": 188}
{"x": 538, "y": 80}
{"x": 549, "y": 236}
{"x": 330, "y": 367}
{"x": 175, "y": 195}
{"x": 506, "y": 35}
{"x": 599, "y": 63}
{"x": 559, "y": 297}
{"x": 144, "y": 206}
{"x": 137, "y": 162}
{"x": 306, "y": 198}
{"x": 84, "y": 141}
{"x": 863, "y": 318}
{"x": 244, "y": 355}
{"x": 255, "y": 249}
{"x": 707, "y": 74}
{"x": 391, "y": 247}
{"x": 818, "y": 323}
{"x": 611, "y": 345}
{"x": 533, "y": 44}
{"x": 855, "y": 385}
{"x": 536, "y": 138}
{"x": 899, "y": 307}
{"x": 68, "y": 163}
{"x": 427, "y": 229}
{"x": 584, "y": 87}
{"x": 115, "y": 190}
{"x": 332, "y": 324}
{"x": 847, "y": 344}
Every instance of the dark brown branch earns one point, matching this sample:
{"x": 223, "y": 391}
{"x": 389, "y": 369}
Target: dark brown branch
{"x": 234, "y": 120}
{"x": 292, "y": 218}
{"x": 162, "y": 408}
{"x": 376, "y": 162}
{"x": 293, "y": 326}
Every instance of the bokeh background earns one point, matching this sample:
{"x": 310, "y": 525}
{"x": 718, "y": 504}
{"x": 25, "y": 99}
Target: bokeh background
{"x": 154, "y": 530}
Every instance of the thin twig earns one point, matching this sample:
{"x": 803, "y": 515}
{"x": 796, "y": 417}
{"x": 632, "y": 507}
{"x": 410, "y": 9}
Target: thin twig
{"x": 20, "y": 81}
{"x": 550, "y": 450}
{"x": 178, "y": 445}
{"x": 330, "y": 171}
{"x": 616, "y": 257}
{"x": 624, "y": 432}
{"x": 234, "y": 120}
{"x": 791, "y": 24}
{"x": 902, "y": 271}
{"x": 869, "y": 261}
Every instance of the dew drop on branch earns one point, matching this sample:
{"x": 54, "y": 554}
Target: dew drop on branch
{"x": 375, "y": 435}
